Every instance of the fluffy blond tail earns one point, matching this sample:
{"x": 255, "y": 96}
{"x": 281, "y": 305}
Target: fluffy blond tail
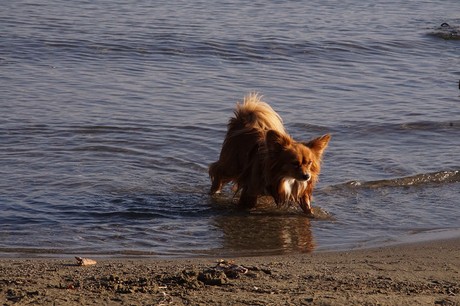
{"x": 254, "y": 113}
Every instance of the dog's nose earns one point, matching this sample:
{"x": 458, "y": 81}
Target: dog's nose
{"x": 306, "y": 176}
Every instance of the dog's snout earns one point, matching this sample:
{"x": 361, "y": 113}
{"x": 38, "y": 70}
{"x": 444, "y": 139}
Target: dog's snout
{"x": 306, "y": 176}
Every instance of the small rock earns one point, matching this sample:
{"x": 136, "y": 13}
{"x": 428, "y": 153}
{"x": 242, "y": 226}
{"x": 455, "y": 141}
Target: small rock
{"x": 213, "y": 277}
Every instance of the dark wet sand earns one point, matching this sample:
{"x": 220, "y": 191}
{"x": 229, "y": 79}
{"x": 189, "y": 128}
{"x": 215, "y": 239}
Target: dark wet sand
{"x": 425, "y": 273}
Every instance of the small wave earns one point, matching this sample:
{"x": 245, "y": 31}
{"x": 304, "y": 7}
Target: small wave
{"x": 372, "y": 128}
{"x": 175, "y": 44}
{"x": 441, "y": 177}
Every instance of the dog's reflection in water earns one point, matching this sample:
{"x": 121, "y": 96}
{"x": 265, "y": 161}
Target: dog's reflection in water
{"x": 266, "y": 233}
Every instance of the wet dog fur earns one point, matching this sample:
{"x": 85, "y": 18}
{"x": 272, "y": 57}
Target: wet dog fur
{"x": 260, "y": 158}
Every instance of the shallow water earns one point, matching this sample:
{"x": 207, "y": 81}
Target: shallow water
{"x": 111, "y": 113}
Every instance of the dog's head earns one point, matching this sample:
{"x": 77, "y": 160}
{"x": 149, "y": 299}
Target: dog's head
{"x": 294, "y": 160}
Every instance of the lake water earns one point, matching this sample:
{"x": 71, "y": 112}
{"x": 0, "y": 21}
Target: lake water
{"x": 112, "y": 111}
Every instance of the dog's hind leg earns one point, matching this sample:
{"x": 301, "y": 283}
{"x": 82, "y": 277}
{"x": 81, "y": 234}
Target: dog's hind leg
{"x": 216, "y": 178}
{"x": 247, "y": 201}
{"x": 216, "y": 186}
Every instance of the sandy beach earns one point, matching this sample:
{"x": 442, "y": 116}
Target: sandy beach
{"x": 425, "y": 273}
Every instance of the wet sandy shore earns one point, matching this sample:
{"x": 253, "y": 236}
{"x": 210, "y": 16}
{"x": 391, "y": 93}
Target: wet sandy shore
{"x": 425, "y": 273}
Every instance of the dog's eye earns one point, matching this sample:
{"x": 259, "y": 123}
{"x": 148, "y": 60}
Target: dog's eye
{"x": 296, "y": 164}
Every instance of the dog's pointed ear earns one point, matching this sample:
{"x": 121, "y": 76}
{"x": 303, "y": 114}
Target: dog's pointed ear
{"x": 319, "y": 144}
{"x": 275, "y": 141}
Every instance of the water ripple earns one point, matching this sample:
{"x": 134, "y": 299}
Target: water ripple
{"x": 441, "y": 177}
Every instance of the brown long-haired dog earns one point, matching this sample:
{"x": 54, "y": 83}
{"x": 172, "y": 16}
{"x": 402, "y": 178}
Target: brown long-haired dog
{"x": 260, "y": 158}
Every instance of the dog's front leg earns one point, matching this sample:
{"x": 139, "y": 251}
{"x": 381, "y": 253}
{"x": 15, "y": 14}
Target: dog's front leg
{"x": 305, "y": 204}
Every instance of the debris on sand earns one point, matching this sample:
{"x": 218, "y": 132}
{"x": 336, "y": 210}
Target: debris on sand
{"x": 230, "y": 269}
{"x": 85, "y": 261}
